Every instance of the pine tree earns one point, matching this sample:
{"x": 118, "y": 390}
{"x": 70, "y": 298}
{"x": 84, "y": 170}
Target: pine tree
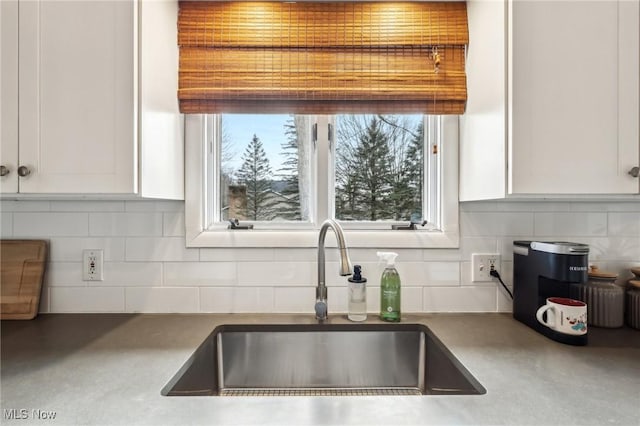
{"x": 346, "y": 169}
{"x": 371, "y": 176}
{"x": 406, "y": 146}
{"x": 379, "y": 169}
{"x": 290, "y": 209}
{"x": 255, "y": 175}
{"x": 414, "y": 175}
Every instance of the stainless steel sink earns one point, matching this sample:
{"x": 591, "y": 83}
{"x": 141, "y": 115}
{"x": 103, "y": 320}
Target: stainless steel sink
{"x": 322, "y": 359}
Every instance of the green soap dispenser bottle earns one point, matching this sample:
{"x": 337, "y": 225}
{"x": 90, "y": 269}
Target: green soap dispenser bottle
{"x": 389, "y": 288}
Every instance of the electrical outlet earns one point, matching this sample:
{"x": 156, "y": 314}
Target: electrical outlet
{"x": 481, "y": 264}
{"x": 92, "y": 265}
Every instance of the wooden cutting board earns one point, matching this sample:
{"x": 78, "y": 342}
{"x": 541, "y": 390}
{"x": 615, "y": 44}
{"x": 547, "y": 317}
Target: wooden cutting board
{"x": 22, "y": 264}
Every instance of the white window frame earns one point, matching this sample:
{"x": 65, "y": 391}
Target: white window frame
{"x": 201, "y": 150}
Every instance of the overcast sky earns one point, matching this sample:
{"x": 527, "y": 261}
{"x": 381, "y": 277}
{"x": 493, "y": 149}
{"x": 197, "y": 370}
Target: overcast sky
{"x": 268, "y": 127}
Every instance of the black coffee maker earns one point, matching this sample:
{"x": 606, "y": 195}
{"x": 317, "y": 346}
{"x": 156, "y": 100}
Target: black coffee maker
{"x": 542, "y": 270}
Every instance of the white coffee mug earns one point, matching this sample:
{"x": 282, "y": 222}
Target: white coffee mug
{"x": 568, "y": 316}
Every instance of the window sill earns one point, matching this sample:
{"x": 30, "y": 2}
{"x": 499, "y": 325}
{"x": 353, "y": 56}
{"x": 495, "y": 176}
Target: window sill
{"x": 300, "y": 239}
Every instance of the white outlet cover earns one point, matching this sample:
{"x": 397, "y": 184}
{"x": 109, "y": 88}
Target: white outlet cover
{"x": 481, "y": 266}
{"x": 92, "y": 265}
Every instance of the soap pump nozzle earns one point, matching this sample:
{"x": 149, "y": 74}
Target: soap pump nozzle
{"x": 357, "y": 275}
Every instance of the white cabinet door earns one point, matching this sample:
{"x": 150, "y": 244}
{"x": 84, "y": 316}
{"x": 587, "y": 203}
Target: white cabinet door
{"x": 9, "y": 96}
{"x": 161, "y": 124}
{"x": 574, "y": 111}
{"x": 77, "y": 96}
{"x": 629, "y": 87}
{"x": 483, "y": 139}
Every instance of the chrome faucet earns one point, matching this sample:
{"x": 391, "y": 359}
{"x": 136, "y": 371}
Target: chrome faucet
{"x": 345, "y": 265}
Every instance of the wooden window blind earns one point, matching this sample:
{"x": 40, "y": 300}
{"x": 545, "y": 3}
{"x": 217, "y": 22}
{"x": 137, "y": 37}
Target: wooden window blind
{"x": 322, "y": 57}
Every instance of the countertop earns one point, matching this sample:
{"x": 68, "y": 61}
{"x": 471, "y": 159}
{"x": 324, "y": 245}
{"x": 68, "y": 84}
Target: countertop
{"x": 109, "y": 369}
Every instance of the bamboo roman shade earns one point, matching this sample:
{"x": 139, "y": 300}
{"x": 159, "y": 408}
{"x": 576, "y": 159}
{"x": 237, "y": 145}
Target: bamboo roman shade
{"x": 322, "y": 57}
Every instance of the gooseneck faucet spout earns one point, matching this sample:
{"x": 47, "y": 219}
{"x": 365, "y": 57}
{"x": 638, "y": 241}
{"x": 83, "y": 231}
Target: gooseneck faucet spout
{"x": 345, "y": 265}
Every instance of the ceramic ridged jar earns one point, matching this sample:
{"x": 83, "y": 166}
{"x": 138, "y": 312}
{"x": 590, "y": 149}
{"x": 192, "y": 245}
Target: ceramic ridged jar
{"x": 633, "y": 300}
{"x": 604, "y": 298}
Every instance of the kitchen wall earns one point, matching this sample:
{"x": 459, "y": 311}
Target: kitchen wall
{"x": 148, "y": 269}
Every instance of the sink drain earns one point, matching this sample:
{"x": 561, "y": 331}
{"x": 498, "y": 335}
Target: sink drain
{"x": 321, "y": 392}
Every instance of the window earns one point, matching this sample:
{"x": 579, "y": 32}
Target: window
{"x": 379, "y": 168}
{"x": 370, "y": 172}
{"x": 284, "y": 174}
{"x": 263, "y": 169}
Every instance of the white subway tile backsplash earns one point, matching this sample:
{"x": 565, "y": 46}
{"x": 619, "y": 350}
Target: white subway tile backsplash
{"x": 25, "y": 206}
{"x": 468, "y": 246}
{"x": 479, "y": 206}
{"x": 87, "y": 299}
{"x": 67, "y": 274}
{"x": 633, "y": 206}
{"x": 173, "y": 224}
{"x": 170, "y": 205}
{"x": 459, "y": 299}
{"x": 505, "y": 303}
{"x": 570, "y": 224}
{"x": 200, "y": 274}
{"x": 532, "y": 206}
{"x": 169, "y": 249}
{"x": 154, "y": 206}
{"x": 236, "y": 299}
{"x": 132, "y": 274}
{"x": 429, "y": 273}
{"x": 613, "y": 248}
{"x": 236, "y": 255}
{"x": 505, "y": 247}
{"x": 296, "y": 255}
{"x": 452, "y": 255}
{"x": 588, "y": 207}
{"x": 494, "y": 224}
{"x": 87, "y": 206}
{"x": 148, "y": 269}
{"x": 46, "y": 225}
{"x": 625, "y": 249}
{"x": 275, "y": 273}
{"x": 411, "y": 299}
{"x": 6, "y": 224}
{"x": 296, "y": 299}
{"x": 337, "y": 300}
{"x": 624, "y": 224}
{"x": 70, "y": 249}
{"x": 162, "y": 299}
{"x": 597, "y": 246}
{"x": 125, "y": 224}
{"x": 373, "y": 299}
